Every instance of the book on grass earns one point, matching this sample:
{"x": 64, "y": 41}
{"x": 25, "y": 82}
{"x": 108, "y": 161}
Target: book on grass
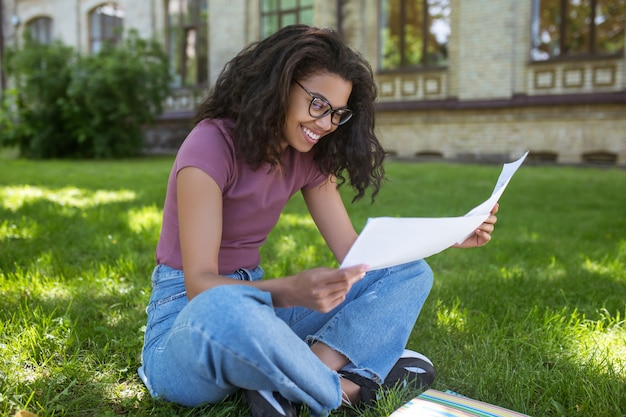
{"x": 433, "y": 403}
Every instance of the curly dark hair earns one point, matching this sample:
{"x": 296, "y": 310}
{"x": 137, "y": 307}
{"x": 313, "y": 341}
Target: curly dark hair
{"x": 253, "y": 90}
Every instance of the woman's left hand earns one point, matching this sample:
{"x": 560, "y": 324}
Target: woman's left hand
{"x": 482, "y": 235}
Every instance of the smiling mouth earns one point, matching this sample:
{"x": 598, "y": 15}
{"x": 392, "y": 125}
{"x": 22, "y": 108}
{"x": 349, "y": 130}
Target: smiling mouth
{"x": 313, "y": 136}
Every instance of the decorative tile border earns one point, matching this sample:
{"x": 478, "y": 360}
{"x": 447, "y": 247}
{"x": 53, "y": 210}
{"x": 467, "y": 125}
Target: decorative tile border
{"x": 387, "y": 88}
{"x": 414, "y": 86}
{"x": 432, "y": 86}
{"x": 544, "y": 79}
{"x": 574, "y": 77}
{"x": 409, "y": 87}
{"x": 603, "y": 76}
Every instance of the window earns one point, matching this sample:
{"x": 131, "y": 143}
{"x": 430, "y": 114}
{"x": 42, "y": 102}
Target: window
{"x": 41, "y": 29}
{"x": 188, "y": 36}
{"x": 414, "y": 33}
{"x": 276, "y": 14}
{"x": 566, "y": 28}
{"x": 106, "y": 24}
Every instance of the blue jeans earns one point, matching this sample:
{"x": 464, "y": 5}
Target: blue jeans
{"x": 231, "y": 337}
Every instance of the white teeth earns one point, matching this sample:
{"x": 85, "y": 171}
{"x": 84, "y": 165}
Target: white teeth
{"x": 311, "y": 134}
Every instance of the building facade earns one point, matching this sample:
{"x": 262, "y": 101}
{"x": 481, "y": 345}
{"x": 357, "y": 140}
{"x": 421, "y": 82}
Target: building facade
{"x": 477, "y": 80}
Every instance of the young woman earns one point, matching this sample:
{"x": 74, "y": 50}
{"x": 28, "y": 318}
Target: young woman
{"x": 294, "y": 112}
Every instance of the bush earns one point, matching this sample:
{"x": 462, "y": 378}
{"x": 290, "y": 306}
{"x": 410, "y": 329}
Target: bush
{"x": 40, "y": 75}
{"x": 91, "y": 106}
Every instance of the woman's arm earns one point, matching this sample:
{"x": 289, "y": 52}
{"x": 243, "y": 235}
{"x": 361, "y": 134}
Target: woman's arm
{"x": 199, "y": 201}
{"x": 330, "y": 215}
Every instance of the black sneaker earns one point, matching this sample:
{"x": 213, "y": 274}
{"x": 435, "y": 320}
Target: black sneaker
{"x": 269, "y": 404}
{"x": 413, "y": 370}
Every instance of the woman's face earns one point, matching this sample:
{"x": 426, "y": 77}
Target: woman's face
{"x": 302, "y": 131}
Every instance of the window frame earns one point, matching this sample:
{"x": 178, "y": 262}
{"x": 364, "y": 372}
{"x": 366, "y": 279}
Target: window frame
{"x": 564, "y": 32}
{"x": 282, "y": 12}
{"x": 41, "y": 24}
{"x": 117, "y": 30}
{"x": 404, "y": 66}
{"x": 177, "y": 44}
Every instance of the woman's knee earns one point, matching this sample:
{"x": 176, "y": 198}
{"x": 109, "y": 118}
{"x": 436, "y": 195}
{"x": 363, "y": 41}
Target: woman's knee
{"x": 423, "y": 270}
{"x": 417, "y": 276}
{"x": 224, "y": 308}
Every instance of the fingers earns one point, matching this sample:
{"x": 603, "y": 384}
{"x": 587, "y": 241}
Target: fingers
{"x": 332, "y": 287}
{"x": 482, "y": 234}
{"x": 487, "y": 227}
{"x": 341, "y": 280}
{"x": 482, "y": 237}
{"x": 492, "y": 219}
{"x": 353, "y": 273}
{"x": 484, "y": 231}
{"x": 330, "y": 297}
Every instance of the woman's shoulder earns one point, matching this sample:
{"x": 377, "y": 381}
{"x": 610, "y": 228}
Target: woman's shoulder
{"x": 209, "y": 147}
{"x": 208, "y": 127}
{"x": 210, "y": 138}
{"x": 209, "y": 133}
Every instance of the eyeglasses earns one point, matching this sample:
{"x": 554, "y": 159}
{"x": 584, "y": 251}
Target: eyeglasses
{"x": 318, "y": 108}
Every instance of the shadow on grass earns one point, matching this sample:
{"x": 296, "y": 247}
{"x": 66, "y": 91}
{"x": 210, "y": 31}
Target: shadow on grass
{"x": 73, "y": 302}
{"x": 76, "y": 278}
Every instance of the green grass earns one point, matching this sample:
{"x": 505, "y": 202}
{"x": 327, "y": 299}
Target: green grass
{"x": 534, "y": 321}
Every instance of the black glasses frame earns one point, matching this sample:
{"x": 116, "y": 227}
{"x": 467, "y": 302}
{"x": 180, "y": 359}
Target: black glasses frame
{"x": 343, "y": 114}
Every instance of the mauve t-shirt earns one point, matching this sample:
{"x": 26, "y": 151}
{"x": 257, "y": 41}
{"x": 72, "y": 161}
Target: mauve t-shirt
{"x": 252, "y": 199}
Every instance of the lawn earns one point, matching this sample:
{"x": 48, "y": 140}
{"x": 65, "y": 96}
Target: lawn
{"x": 534, "y": 321}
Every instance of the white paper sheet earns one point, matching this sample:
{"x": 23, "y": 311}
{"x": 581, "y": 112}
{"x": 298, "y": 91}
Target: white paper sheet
{"x": 389, "y": 241}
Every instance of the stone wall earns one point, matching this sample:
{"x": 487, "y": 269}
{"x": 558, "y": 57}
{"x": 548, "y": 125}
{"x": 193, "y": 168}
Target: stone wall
{"x": 562, "y": 134}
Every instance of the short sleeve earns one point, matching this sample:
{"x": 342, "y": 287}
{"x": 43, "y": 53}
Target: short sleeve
{"x": 209, "y": 147}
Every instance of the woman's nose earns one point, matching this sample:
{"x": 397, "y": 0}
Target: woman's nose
{"x": 325, "y": 122}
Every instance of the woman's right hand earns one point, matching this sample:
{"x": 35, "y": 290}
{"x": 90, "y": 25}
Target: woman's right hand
{"x": 323, "y": 289}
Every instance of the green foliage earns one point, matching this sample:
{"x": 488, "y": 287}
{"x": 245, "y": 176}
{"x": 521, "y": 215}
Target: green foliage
{"x": 117, "y": 91}
{"x": 534, "y": 321}
{"x": 83, "y": 106}
{"x": 41, "y": 76}
{"x": 8, "y": 124}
